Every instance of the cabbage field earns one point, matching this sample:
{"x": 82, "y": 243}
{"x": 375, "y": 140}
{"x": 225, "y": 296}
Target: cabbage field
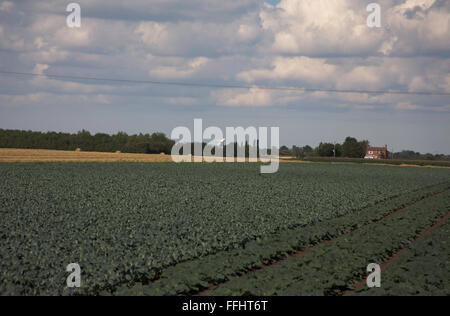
{"x": 213, "y": 229}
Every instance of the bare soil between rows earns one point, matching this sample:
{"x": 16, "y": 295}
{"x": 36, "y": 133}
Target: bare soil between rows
{"x": 301, "y": 253}
{"x": 397, "y": 255}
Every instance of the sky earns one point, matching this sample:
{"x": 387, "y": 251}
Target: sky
{"x": 317, "y": 44}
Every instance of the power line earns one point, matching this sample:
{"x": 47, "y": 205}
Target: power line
{"x": 227, "y": 86}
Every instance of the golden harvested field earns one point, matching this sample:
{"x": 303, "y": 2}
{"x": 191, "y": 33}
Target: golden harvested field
{"x": 38, "y": 155}
{"x": 43, "y": 155}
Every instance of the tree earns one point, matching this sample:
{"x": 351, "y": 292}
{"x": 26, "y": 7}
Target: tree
{"x": 284, "y": 151}
{"x": 159, "y": 143}
{"x": 354, "y": 149}
{"x": 325, "y": 150}
{"x": 142, "y": 143}
{"x": 307, "y": 149}
{"x": 338, "y": 148}
{"x": 298, "y": 152}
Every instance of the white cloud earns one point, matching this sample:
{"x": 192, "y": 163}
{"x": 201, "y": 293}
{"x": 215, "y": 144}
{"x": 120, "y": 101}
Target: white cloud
{"x": 102, "y": 99}
{"x": 153, "y": 34}
{"x": 388, "y": 45}
{"x": 286, "y": 43}
{"x": 322, "y": 44}
{"x": 185, "y": 69}
{"x": 418, "y": 84}
{"x": 421, "y": 27}
{"x": 407, "y": 106}
{"x": 47, "y": 55}
{"x": 369, "y": 77}
{"x": 47, "y": 84}
{"x": 302, "y": 68}
{"x": 39, "y": 42}
{"x": 21, "y": 100}
{"x": 50, "y": 41}
{"x": 252, "y": 98}
{"x": 317, "y": 27}
{"x": 353, "y": 106}
{"x": 321, "y": 27}
{"x": 40, "y": 68}
{"x": 412, "y": 4}
{"x": 248, "y": 33}
{"x": 41, "y": 98}
{"x": 181, "y": 100}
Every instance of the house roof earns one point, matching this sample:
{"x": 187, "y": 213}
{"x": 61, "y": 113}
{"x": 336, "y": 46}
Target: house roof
{"x": 376, "y": 148}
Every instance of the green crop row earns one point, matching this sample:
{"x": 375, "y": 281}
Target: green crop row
{"x": 395, "y": 162}
{"x": 422, "y": 270}
{"x": 125, "y": 223}
{"x": 186, "y": 278}
{"x": 332, "y": 268}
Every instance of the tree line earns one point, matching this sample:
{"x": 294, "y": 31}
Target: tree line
{"x": 158, "y": 143}
{"x": 142, "y": 143}
{"x": 352, "y": 148}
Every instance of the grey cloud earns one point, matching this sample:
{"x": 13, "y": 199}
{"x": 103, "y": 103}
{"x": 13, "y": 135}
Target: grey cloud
{"x": 153, "y": 10}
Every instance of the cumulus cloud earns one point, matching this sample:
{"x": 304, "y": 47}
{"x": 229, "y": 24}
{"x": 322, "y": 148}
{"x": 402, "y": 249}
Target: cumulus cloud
{"x": 248, "y": 33}
{"x": 318, "y": 27}
{"x": 39, "y": 98}
{"x": 21, "y": 100}
{"x": 253, "y": 97}
{"x": 421, "y": 27}
{"x": 322, "y": 44}
{"x": 301, "y": 68}
{"x": 153, "y": 34}
{"x": 181, "y": 100}
{"x": 186, "y": 69}
{"x": 157, "y": 10}
{"x": 40, "y": 68}
{"x": 194, "y": 38}
{"x": 409, "y": 106}
{"x": 46, "y": 55}
{"x": 71, "y": 87}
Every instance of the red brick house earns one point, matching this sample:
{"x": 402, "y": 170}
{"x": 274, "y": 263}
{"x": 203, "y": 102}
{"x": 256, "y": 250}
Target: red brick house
{"x": 377, "y": 152}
